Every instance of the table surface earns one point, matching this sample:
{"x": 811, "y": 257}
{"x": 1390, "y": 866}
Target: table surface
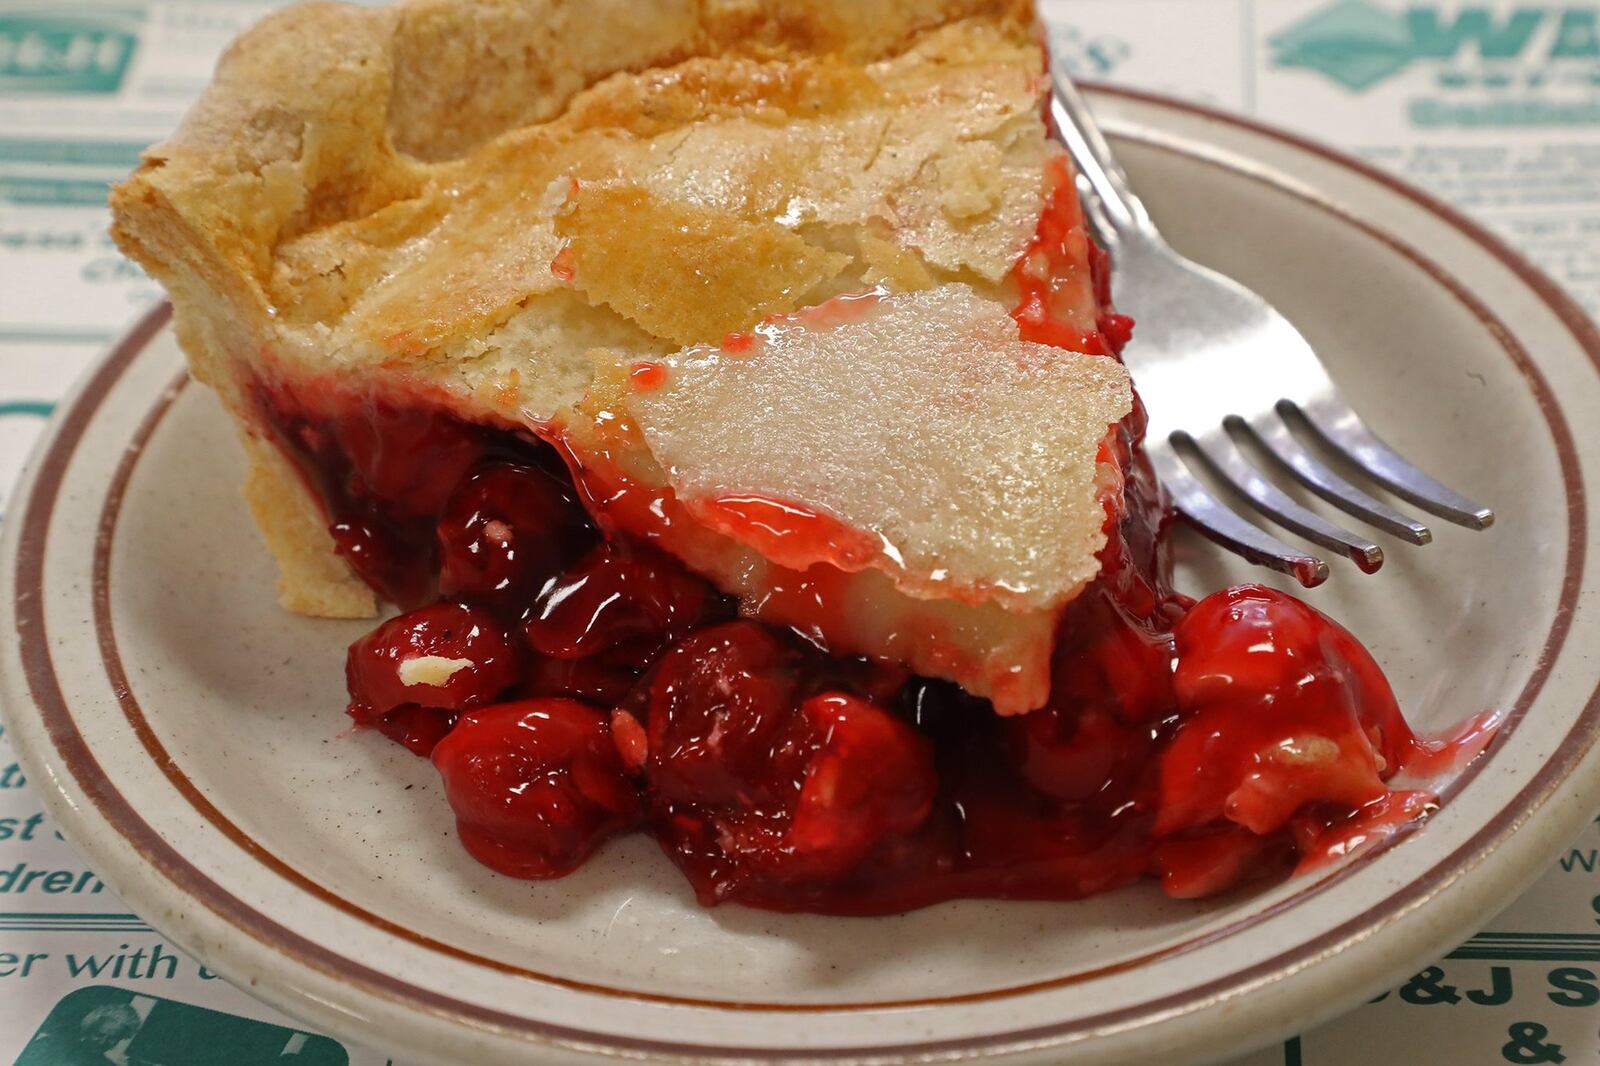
{"x": 1493, "y": 105}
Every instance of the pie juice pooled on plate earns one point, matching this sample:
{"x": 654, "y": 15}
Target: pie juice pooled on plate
{"x": 732, "y": 410}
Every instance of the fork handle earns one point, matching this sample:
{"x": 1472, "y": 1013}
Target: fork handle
{"x": 1119, "y": 207}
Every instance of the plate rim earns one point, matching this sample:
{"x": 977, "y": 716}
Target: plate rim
{"x": 77, "y": 413}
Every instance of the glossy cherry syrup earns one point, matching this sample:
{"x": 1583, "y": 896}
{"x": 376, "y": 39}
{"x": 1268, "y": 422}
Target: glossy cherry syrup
{"x": 572, "y": 682}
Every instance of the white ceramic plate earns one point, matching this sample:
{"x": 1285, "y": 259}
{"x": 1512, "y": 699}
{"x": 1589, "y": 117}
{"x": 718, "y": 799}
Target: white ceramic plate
{"x": 187, "y": 736}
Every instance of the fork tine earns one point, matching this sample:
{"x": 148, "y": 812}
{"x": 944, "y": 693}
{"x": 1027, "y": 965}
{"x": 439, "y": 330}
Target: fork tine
{"x": 1271, "y": 433}
{"x": 1222, "y": 525}
{"x": 1336, "y": 423}
{"x": 1224, "y": 458}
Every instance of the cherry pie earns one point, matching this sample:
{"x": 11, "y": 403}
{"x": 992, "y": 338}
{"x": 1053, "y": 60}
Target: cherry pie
{"x": 727, "y": 394}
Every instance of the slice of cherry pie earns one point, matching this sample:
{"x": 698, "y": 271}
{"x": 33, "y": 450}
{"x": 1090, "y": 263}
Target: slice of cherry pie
{"x": 728, "y": 395}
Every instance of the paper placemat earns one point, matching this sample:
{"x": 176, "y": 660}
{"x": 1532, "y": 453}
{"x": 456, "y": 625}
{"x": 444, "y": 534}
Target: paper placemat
{"x": 1493, "y": 105}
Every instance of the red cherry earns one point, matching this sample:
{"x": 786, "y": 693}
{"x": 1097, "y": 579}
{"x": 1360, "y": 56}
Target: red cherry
{"x": 390, "y": 557}
{"x": 1284, "y": 709}
{"x": 876, "y": 682}
{"x": 1111, "y": 686}
{"x": 1231, "y": 762}
{"x": 1107, "y": 657}
{"x": 603, "y": 680}
{"x": 1211, "y": 861}
{"x": 1023, "y": 853}
{"x": 721, "y": 705}
{"x": 616, "y": 595}
{"x": 411, "y": 458}
{"x": 1080, "y": 753}
{"x": 417, "y": 729}
{"x": 536, "y": 786}
{"x": 1324, "y": 837}
{"x": 506, "y": 531}
{"x": 444, "y": 655}
{"x": 757, "y": 781}
{"x": 871, "y": 778}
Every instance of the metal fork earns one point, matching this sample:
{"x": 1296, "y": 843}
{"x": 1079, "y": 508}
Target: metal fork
{"x": 1215, "y": 363}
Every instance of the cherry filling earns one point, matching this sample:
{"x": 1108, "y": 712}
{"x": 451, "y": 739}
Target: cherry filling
{"x": 571, "y": 685}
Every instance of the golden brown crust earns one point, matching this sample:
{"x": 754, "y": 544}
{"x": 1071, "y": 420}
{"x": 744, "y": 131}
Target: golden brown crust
{"x": 288, "y": 212}
{"x": 466, "y": 72}
{"x": 323, "y": 111}
{"x": 312, "y": 579}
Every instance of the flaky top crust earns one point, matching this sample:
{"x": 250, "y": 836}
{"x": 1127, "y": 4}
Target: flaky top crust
{"x": 325, "y": 112}
{"x": 500, "y": 205}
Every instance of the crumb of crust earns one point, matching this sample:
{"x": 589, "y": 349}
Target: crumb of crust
{"x": 430, "y": 669}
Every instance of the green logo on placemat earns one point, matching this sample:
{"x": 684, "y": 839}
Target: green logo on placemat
{"x": 1356, "y": 43}
{"x": 50, "y": 51}
{"x": 1360, "y": 43}
{"x": 103, "y": 1026}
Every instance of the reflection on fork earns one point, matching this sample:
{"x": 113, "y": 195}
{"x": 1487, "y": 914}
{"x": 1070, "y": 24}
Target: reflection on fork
{"x": 1218, "y": 366}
